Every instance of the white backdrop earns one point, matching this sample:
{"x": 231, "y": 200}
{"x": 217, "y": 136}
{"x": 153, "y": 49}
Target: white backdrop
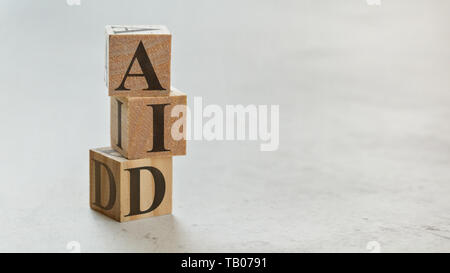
{"x": 364, "y": 125}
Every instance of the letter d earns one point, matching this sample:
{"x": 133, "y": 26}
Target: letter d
{"x": 98, "y": 186}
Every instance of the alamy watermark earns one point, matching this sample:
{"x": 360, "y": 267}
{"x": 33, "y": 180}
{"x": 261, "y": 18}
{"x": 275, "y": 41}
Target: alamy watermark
{"x": 230, "y": 123}
{"x": 73, "y": 247}
{"x": 373, "y": 247}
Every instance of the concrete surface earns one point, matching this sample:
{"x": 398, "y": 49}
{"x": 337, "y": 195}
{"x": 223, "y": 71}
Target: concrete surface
{"x": 365, "y": 134}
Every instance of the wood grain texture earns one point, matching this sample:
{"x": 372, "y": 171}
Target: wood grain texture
{"x": 121, "y": 45}
{"x": 136, "y": 137}
{"x": 120, "y": 169}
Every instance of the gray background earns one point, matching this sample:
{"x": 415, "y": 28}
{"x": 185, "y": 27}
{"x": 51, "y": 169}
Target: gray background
{"x": 364, "y": 130}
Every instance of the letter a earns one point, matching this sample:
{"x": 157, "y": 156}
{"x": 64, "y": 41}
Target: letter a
{"x": 147, "y": 70}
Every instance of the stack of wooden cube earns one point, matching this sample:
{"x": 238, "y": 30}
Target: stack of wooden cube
{"x": 132, "y": 179}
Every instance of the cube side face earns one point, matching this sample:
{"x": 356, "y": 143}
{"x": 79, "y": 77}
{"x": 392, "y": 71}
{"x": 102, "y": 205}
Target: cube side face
{"x": 104, "y": 182}
{"x": 138, "y": 64}
{"x": 119, "y": 125}
{"x": 146, "y": 140}
{"x": 146, "y": 188}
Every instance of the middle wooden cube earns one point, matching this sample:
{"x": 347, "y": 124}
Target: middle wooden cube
{"x": 149, "y": 126}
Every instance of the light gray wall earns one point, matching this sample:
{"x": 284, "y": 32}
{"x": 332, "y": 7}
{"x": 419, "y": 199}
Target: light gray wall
{"x": 365, "y": 135}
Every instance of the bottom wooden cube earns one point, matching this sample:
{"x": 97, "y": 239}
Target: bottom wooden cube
{"x": 129, "y": 189}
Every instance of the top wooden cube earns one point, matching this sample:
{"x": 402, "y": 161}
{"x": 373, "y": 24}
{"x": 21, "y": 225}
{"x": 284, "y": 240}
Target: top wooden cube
{"x": 138, "y": 60}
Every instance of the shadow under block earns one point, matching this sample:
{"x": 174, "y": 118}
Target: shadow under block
{"x": 144, "y": 127}
{"x": 138, "y": 60}
{"x": 129, "y": 189}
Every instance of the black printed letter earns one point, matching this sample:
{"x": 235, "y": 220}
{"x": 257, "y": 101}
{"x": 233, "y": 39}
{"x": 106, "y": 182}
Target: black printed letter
{"x": 147, "y": 70}
{"x": 119, "y": 124}
{"x": 135, "y": 189}
{"x": 98, "y": 186}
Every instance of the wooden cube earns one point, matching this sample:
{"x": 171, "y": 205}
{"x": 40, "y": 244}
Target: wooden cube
{"x": 145, "y": 126}
{"x": 129, "y": 189}
{"x": 138, "y": 60}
